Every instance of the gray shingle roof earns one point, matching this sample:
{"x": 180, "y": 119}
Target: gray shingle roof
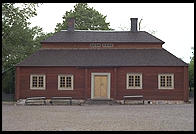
{"x": 102, "y": 57}
{"x": 103, "y": 36}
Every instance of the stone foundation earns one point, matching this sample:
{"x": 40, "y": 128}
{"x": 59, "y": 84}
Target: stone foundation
{"x": 164, "y": 102}
{"x": 152, "y": 102}
{"x": 74, "y": 102}
{"x": 147, "y": 102}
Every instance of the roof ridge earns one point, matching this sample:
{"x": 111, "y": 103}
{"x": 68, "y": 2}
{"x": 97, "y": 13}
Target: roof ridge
{"x": 99, "y": 31}
{"x": 103, "y": 36}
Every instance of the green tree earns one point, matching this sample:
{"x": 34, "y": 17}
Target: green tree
{"x": 86, "y": 18}
{"x": 17, "y": 36}
{"x": 18, "y": 39}
{"x": 191, "y": 70}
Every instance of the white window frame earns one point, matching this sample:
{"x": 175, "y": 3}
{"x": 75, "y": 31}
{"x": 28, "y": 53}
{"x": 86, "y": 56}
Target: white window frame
{"x": 172, "y": 81}
{"x": 107, "y": 45}
{"x": 95, "y": 45}
{"x": 65, "y": 75}
{"x": 134, "y": 74}
{"x": 37, "y": 88}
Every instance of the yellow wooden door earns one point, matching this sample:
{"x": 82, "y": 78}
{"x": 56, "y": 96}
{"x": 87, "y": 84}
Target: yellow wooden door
{"x": 100, "y": 86}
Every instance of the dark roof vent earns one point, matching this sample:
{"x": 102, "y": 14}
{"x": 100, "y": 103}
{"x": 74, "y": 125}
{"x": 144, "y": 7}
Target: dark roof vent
{"x": 134, "y": 24}
{"x": 70, "y": 24}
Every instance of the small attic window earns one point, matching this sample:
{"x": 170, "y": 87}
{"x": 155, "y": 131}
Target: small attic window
{"x": 107, "y": 45}
{"x": 95, "y": 45}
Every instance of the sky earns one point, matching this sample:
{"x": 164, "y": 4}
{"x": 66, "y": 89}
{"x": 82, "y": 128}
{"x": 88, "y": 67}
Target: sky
{"x": 173, "y": 23}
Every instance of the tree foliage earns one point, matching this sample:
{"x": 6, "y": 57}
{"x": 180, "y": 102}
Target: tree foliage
{"x": 191, "y": 70}
{"x": 8, "y": 80}
{"x": 17, "y": 37}
{"x": 19, "y": 40}
{"x": 86, "y": 18}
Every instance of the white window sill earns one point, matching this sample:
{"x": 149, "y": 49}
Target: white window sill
{"x": 166, "y": 88}
{"x": 37, "y": 88}
{"x": 134, "y": 88}
{"x": 65, "y": 89}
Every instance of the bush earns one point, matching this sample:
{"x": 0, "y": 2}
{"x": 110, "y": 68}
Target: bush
{"x": 8, "y": 82}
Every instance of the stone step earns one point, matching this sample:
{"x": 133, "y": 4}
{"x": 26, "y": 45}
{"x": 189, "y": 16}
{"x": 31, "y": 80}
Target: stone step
{"x": 100, "y": 102}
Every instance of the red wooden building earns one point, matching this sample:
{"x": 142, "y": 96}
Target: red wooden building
{"x": 87, "y": 64}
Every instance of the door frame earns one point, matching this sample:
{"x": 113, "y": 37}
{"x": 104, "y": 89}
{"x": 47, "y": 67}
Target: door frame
{"x": 92, "y": 83}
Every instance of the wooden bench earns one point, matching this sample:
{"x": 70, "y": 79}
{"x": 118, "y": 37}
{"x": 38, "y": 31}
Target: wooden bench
{"x": 35, "y": 100}
{"x": 60, "y": 99}
{"x": 133, "y": 97}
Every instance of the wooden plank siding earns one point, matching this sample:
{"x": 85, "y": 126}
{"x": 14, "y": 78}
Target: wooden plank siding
{"x": 82, "y": 82}
{"x": 87, "y": 45}
{"x": 186, "y": 85}
{"x": 150, "y": 83}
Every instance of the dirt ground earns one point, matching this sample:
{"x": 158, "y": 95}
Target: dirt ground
{"x": 98, "y": 118}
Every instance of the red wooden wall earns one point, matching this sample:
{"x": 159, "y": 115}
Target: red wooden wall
{"x": 82, "y": 82}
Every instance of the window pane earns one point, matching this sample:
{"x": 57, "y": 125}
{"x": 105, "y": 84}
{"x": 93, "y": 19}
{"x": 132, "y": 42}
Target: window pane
{"x": 62, "y": 81}
{"x": 169, "y": 81}
{"x": 34, "y": 83}
{"x": 68, "y": 82}
{"x": 162, "y": 81}
{"x": 137, "y": 81}
{"x": 131, "y": 81}
{"x": 41, "y": 81}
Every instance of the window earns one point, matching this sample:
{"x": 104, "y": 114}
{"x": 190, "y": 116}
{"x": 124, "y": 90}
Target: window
{"x": 65, "y": 82}
{"x": 134, "y": 81}
{"x": 101, "y": 45}
{"x": 95, "y": 44}
{"x": 166, "y": 81}
{"x": 37, "y": 82}
{"x": 107, "y": 45}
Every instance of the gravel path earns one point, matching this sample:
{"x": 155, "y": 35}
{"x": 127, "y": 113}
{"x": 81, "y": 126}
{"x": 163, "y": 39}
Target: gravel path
{"x": 99, "y": 117}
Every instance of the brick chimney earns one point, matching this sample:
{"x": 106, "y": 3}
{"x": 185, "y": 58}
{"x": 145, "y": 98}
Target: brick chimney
{"x": 70, "y": 24}
{"x": 134, "y": 24}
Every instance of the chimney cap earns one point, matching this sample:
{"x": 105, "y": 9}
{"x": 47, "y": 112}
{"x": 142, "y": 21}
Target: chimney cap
{"x": 133, "y": 18}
